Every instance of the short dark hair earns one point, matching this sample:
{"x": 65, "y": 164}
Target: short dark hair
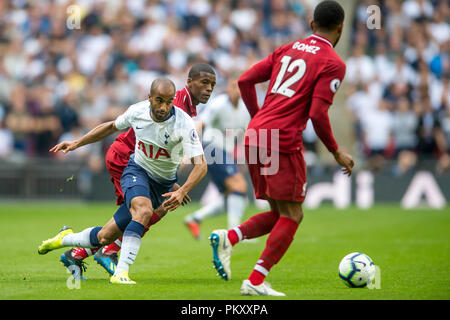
{"x": 200, "y": 67}
{"x": 328, "y": 15}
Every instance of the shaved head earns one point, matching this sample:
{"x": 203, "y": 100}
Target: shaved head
{"x": 162, "y": 84}
{"x": 162, "y": 93}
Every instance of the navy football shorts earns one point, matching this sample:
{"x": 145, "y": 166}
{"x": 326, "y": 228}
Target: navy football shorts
{"x": 136, "y": 182}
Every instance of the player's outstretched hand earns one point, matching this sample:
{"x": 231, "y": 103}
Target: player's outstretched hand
{"x": 65, "y": 146}
{"x": 345, "y": 160}
{"x": 176, "y": 198}
{"x": 186, "y": 198}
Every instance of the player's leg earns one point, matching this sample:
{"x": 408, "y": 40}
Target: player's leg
{"x": 286, "y": 192}
{"x": 256, "y": 226}
{"x": 261, "y": 223}
{"x": 136, "y": 189}
{"x": 107, "y": 257}
{"x": 278, "y": 242}
{"x": 222, "y": 241}
{"x": 139, "y": 198}
{"x": 115, "y": 163}
{"x": 109, "y": 234}
{"x": 88, "y": 238}
{"x": 236, "y": 190}
{"x": 73, "y": 258}
{"x": 141, "y": 211}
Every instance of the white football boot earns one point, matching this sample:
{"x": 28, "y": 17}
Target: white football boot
{"x": 264, "y": 289}
{"x": 222, "y": 250}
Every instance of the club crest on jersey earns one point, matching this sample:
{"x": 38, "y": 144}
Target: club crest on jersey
{"x": 166, "y": 141}
{"x": 334, "y": 85}
{"x": 149, "y": 151}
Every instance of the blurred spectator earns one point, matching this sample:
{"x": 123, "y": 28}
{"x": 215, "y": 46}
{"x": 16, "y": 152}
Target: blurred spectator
{"x": 53, "y": 78}
{"x": 405, "y": 125}
{"x": 19, "y": 120}
{"x": 56, "y": 80}
{"x": 428, "y": 130}
{"x": 6, "y": 137}
{"x": 360, "y": 67}
{"x": 407, "y": 60}
{"x": 444, "y": 124}
{"x": 377, "y": 132}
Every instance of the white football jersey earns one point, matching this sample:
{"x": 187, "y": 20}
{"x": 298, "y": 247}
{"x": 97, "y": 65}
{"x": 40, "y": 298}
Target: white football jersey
{"x": 160, "y": 146}
{"x": 223, "y": 122}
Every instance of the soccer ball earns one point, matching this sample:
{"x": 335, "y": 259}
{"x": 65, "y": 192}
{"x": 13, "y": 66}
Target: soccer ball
{"x": 357, "y": 270}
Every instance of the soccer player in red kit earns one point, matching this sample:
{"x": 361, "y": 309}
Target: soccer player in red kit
{"x": 200, "y": 84}
{"x": 304, "y": 76}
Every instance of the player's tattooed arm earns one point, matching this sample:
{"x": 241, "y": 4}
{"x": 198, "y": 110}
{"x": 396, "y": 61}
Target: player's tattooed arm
{"x": 98, "y": 133}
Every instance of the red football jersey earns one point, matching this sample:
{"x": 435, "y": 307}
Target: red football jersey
{"x": 125, "y": 142}
{"x": 298, "y": 72}
{"x": 183, "y": 100}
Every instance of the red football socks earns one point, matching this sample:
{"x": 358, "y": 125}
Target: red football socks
{"x": 256, "y": 226}
{"x": 112, "y": 247}
{"x": 278, "y": 242}
{"x": 83, "y": 253}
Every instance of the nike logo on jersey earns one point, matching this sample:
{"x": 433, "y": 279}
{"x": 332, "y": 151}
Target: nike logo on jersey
{"x": 137, "y": 128}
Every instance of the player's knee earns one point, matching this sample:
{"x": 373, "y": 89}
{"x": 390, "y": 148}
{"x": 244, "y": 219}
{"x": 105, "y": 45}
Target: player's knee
{"x": 299, "y": 216}
{"x": 292, "y": 211}
{"x": 141, "y": 212}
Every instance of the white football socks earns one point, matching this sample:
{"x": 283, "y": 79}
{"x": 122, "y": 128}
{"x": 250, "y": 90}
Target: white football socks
{"x": 235, "y": 206}
{"x": 80, "y": 239}
{"x": 130, "y": 248}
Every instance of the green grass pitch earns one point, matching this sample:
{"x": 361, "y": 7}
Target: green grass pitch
{"x": 412, "y": 249}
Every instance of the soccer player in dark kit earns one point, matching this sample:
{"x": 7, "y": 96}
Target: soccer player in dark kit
{"x": 304, "y": 76}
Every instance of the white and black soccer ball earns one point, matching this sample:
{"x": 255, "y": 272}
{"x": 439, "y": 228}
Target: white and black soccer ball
{"x": 357, "y": 270}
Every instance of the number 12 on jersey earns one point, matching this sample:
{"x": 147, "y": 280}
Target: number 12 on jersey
{"x": 287, "y": 65}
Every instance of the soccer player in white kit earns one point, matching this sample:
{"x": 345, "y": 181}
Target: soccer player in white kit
{"x": 164, "y": 135}
{"x": 225, "y": 119}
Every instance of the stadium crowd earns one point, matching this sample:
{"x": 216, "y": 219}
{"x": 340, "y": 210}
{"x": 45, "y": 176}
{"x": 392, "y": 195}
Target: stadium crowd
{"x": 58, "y": 79}
{"x": 398, "y": 84}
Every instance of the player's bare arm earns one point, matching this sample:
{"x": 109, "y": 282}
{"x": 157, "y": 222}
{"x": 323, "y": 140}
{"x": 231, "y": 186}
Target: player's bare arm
{"x": 98, "y": 133}
{"x": 345, "y": 160}
{"x": 197, "y": 174}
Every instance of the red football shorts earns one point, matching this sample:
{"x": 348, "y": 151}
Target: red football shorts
{"x": 287, "y": 182}
{"x": 116, "y": 163}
